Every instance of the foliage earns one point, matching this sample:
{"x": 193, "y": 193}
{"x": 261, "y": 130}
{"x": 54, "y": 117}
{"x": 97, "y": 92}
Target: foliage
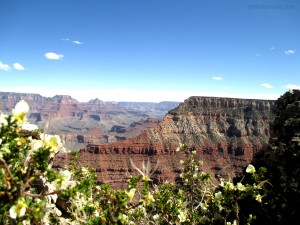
{"x": 32, "y": 192}
{"x": 282, "y": 158}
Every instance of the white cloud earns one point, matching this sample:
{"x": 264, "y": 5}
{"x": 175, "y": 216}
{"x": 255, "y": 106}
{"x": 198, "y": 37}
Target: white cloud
{"x": 77, "y": 42}
{"x": 52, "y": 55}
{"x": 4, "y": 66}
{"x": 65, "y": 39}
{"x": 272, "y": 48}
{"x": 292, "y": 86}
{"x": 266, "y": 85}
{"x": 257, "y": 55}
{"x": 217, "y": 78}
{"x": 290, "y": 52}
{"x": 18, "y": 66}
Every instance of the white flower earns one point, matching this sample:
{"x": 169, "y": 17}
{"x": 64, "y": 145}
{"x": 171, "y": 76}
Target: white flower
{"x": 227, "y": 184}
{"x": 20, "y": 111}
{"x": 4, "y": 150}
{"x": 218, "y": 195}
{"x": 181, "y": 147}
{"x": 63, "y": 179}
{"x": 182, "y": 216}
{"x": 3, "y": 120}
{"x": 18, "y": 210}
{"x": 85, "y": 171}
{"x": 26, "y": 222}
{"x": 29, "y": 127}
{"x": 52, "y": 141}
{"x": 65, "y": 174}
{"x": 36, "y": 144}
{"x": 131, "y": 193}
{"x": 240, "y": 187}
{"x": 258, "y": 198}
{"x": 148, "y": 199}
{"x": 250, "y": 169}
{"x": 222, "y": 184}
{"x": 203, "y": 206}
{"x": 156, "y": 216}
{"x": 123, "y": 218}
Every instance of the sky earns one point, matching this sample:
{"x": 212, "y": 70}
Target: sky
{"x": 150, "y": 50}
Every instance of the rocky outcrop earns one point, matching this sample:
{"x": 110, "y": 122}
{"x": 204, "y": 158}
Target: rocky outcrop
{"x": 225, "y": 132}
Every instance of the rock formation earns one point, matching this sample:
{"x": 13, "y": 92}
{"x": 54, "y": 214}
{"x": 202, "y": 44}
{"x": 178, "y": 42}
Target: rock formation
{"x": 225, "y": 132}
{"x": 82, "y": 123}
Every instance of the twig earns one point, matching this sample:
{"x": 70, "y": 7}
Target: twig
{"x": 7, "y": 169}
{"x": 42, "y": 194}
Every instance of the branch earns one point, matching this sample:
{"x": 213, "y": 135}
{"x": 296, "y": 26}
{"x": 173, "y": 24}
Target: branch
{"x": 7, "y": 169}
{"x": 42, "y": 194}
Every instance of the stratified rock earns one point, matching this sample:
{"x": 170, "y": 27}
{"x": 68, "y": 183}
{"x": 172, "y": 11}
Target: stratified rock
{"x": 79, "y": 123}
{"x": 225, "y": 132}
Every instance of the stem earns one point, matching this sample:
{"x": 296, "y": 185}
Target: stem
{"x": 7, "y": 169}
{"x": 237, "y": 212}
{"x": 42, "y": 194}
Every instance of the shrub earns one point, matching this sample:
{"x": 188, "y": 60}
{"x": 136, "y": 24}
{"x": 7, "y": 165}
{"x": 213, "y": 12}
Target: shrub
{"x": 282, "y": 159}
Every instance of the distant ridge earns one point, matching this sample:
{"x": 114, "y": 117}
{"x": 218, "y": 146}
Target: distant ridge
{"x": 75, "y": 120}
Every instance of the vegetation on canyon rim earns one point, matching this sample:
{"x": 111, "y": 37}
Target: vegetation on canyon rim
{"x": 32, "y": 192}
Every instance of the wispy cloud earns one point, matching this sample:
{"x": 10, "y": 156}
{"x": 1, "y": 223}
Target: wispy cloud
{"x": 266, "y": 85}
{"x": 290, "y": 52}
{"x": 272, "y": 48}
{"x": 52, "y": 55}
{"x": 292, "y": 86}
{"x": 18, "y": 66}
{"x": 257, "y": 55}
{"x": 74, "y": 41}
{"x": 77, "y": 42}
{"x": 217, "y": 78}
{"x": 4, "y": 66}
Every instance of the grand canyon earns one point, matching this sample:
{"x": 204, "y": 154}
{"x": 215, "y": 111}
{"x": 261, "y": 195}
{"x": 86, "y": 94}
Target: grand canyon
{"x": 224, "y": 132}
{"x": 92, "y": 122}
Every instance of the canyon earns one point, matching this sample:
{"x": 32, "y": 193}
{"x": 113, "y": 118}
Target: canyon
{"x": 224, "y": 132}
{"x": 92, "y": 122}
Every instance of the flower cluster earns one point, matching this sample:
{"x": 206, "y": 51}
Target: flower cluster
{"x": 29, "y": 187}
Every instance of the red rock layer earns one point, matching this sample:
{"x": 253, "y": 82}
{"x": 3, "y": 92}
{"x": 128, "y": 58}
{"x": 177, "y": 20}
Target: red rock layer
{"x": 225, "y": 132}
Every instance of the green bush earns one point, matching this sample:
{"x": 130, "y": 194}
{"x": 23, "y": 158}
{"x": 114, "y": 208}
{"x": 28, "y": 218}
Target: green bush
{"x": 282, "y": 158}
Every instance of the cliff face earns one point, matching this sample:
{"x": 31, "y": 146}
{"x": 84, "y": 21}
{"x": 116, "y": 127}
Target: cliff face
{"x": 225, "y": 132}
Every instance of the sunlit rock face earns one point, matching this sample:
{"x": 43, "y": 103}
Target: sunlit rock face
{"x": 225, "y": 132}
{"x": 92, "y": 122}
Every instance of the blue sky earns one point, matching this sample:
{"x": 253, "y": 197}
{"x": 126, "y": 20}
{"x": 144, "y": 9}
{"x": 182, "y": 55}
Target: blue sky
{"x": 150, "y": 50}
